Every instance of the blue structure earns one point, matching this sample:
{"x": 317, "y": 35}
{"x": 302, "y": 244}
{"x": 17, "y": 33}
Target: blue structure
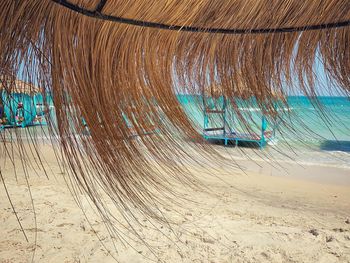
{"x": 225, "y": 133}
{"x": 40, "y": 107}
{"x": 22, "y": 110}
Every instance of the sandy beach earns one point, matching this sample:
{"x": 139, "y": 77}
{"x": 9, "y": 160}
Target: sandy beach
{"x": 194, "y": 131}
{"x": 262, "y": 213}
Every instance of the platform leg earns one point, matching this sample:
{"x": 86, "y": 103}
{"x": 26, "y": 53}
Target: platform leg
{"x": 225, "y": 142}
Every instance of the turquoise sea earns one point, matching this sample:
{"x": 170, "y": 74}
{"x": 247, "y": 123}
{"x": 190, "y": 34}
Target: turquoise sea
{"x": 312, "y": 131}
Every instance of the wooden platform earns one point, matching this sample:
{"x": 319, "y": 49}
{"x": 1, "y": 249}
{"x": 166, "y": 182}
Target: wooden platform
{"x": 261, "y": 139}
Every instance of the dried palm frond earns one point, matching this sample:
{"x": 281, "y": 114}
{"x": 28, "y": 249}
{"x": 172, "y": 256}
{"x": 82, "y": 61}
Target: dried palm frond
{"x": 106, "y": 70}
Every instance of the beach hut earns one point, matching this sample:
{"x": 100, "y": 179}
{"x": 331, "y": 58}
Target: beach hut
{"x": 21, "y": 104}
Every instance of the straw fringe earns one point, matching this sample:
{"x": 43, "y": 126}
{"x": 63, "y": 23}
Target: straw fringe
{"x": 103, "y": 71}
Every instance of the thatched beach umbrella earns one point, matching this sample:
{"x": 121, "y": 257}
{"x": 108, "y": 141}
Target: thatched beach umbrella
{"x": 112, "y": 56}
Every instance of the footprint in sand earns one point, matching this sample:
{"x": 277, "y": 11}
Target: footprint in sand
{"x": 65, "y": 224}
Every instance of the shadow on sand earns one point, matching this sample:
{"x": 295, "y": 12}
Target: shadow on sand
{"x": 233, "y": 144}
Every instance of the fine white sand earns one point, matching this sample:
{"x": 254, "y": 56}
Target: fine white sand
{"x": 261, "y": 214}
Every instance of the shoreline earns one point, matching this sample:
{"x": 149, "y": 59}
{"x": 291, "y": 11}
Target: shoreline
{"x": 313, "y": 172}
